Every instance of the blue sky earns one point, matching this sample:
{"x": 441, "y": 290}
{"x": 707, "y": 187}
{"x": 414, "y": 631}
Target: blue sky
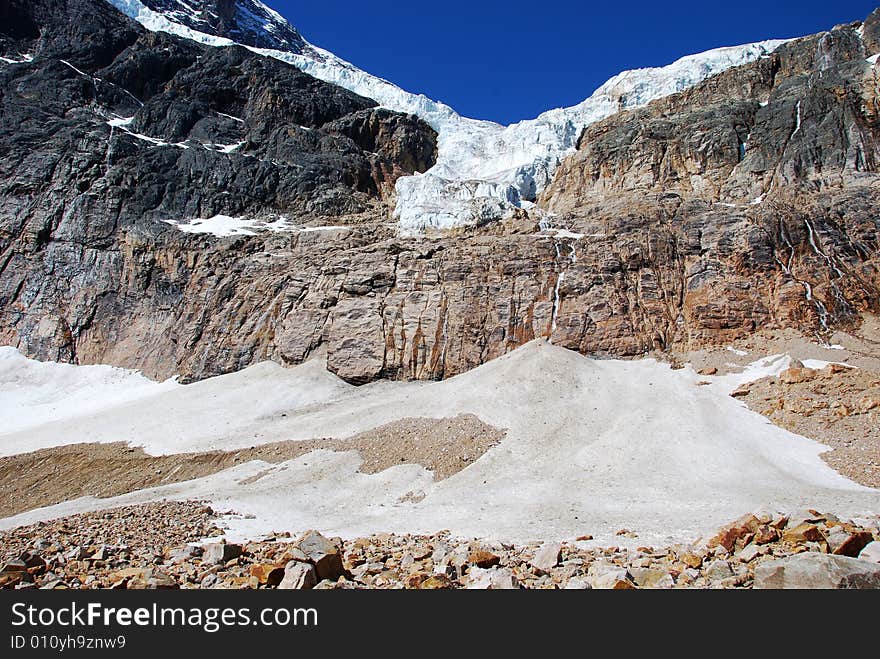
{"x": 511, "y": 60}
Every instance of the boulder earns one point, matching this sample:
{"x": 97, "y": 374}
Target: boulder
{"x": 436, "y": 582}
{"x": 616, "y": 580}
{"x": 728, "y": 535}
{"x": 267, "y": 574}
{"x": 802, "y": 533}
{"x": 34, "y": 563}
{"x": 848, "y": 542}
{"x": 547, "y": 557}
{"x": 871, "y": 552}
{"x": 750, "y": 553}
{"x": 691, "y": 559}
{"x": 220, "y": 552}
{"x": 183, "y": 554}
{"x": 607, "y": 576}
{"x": 811, "y": 570}
{"x": 483, "y": 559}
{"x": 298, "y": 576}
{"x": 11, "y": 578}
{"x": 742, "y": 391}
{"x": 718, "y": 570}
{"x": 492, "y": 579}
{"x": 652, "y": 578}
{"x": 149, "y": 579}
{"x": 323, "y": 554}
{"x": 578, "y": 583}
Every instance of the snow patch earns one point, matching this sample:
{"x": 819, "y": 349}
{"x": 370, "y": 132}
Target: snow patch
{"x": 47, "y": 404}
{"x": 229, "y": 116}
{"x": 229, "y": 148}
{"x": 79, "y": 71}
{"x": 224, "y": 226}
{"x": 120, "y": 122}
{"x": 24, "y": 59}
{"x": 819, "y": 364}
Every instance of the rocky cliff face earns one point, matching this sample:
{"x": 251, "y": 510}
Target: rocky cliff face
{"x": 111, "y": 135}
{"x": 747, "y": 202}
{"x": 750, "y": 201}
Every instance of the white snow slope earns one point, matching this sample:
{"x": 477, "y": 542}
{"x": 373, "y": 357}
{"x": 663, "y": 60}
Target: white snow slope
{"x": 592, "y": 447}
{"x": 484, "y": 170}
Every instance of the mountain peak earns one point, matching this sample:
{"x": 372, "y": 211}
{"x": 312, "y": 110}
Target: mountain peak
{"x": 248, "y": 22}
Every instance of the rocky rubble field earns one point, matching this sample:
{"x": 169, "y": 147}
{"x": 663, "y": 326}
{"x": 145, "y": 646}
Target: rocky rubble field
{"x": 169, "y": 545}
{"x": 837, "y": 405}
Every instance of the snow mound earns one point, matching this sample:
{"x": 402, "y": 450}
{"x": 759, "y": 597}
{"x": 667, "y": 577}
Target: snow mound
{"x": 591, "y": 447}
{"x": 484, "y": 170}
{"x": 48, "y": 404}
{"x": 38, "y": 393}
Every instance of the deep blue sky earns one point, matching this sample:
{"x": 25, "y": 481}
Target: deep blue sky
{"x": 511, "y": 60}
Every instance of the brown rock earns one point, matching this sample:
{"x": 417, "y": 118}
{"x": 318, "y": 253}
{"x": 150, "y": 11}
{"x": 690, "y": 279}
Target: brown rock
{"x": 848, "y": 543}
{"x": 150, "y": 579}
{"x": 834, "y": 369}
{"x": 323, "y": 554}
{"x": 483, "y": 559}
{"x": 742, "y": 391}
{"x": 414, "y": 581}
{"x": 11, "y": 578}
{"x": 652, "y": 578}
{"x": 34, "y": 563}
{"x": 728, "y": 536}
{"x": 267, "y": 575}
{"x": 797, "y": 375}
{"x": 802, "y": 533}
{"x": 436, "y": 582}
{"x": 765, "y": 535}
{"x": 615, "y": 580}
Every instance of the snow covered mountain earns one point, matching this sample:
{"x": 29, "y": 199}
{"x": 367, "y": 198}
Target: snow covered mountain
{"x": 248, "y": 22}
{"x": 484, "y": 170}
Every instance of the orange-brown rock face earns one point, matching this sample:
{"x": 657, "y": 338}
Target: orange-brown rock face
{"x": 747, "y": 202}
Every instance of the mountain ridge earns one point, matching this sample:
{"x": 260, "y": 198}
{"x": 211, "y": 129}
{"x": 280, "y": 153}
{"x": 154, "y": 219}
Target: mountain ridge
{"x": 485, "y": 171}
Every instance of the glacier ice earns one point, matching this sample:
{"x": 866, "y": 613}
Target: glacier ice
{"x": 484, "y": 170}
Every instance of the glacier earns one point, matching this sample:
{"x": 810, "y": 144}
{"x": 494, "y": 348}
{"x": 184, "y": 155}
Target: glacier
{"x": 484, "y": 170}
